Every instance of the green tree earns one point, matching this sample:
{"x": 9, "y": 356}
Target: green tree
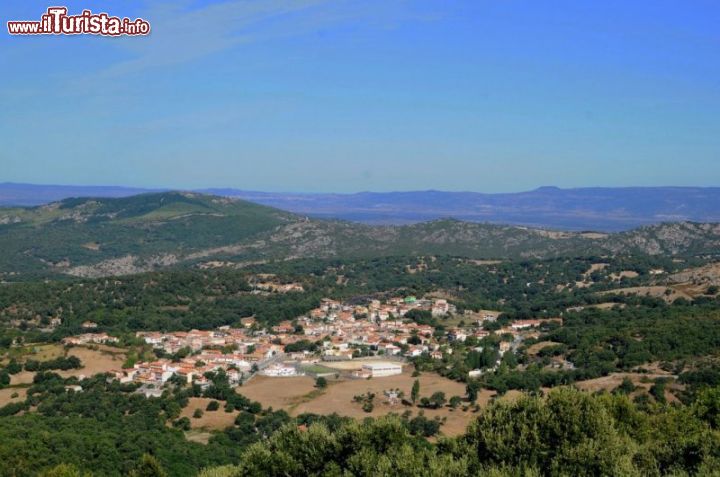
{"x": 415, "y": 392}
{"x": 321, "y": 383}
{"x": 148, "y": 467}
{"x": 472, "y": 388}
{"x": 63, "y": 470}
{"x": 437, "y": 399}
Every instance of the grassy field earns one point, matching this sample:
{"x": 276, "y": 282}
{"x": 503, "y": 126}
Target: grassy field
{"x": 317, "y": 369}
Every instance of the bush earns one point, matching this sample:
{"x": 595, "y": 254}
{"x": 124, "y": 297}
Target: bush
{"x": 182, "y": 423}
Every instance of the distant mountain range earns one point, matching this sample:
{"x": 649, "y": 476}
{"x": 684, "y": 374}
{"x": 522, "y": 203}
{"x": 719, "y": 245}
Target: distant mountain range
{"x": 94, "y": 237}
{"x": 599, "y": 209}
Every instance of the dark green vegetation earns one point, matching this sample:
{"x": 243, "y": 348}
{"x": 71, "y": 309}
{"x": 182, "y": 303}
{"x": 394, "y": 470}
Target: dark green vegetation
{"x": 106, "y": 427}
{"x": 566, "y": 433}
{"x": 104, "y": 237}
{"x": 594, "y": 341}
{"x": 155, "y": 229}
{"x": 668, "y": 426}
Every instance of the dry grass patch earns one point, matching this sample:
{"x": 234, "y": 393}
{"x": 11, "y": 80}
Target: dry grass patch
{"x": 535, "y": 349}
{"x": 7, "y": 393}
{"x": 95, "y": 361}
{"x": 211, "y": 420}
{"x": 655, "y": 291}
{"x": 298, "y": 395}
{"x": 617, "y": 276}
{"x": 642, "y": 381}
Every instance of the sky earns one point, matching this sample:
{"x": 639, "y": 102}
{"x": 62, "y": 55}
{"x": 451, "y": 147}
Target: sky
{"x": 378, "y": 95}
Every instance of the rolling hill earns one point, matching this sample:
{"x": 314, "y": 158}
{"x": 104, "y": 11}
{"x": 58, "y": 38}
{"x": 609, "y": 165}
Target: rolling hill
{"x": 604, "y": 209}
{"x": 113, "y": 236}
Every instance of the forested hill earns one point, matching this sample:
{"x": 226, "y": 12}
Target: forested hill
{"x": 607, "y": 209}
{"x": 113, "y": 236}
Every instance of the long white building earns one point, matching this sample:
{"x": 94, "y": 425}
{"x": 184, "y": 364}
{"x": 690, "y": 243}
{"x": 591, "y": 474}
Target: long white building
{"x": 377, "y": 370}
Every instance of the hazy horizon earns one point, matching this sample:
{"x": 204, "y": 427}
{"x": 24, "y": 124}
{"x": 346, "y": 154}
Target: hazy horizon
{"x": 342, "y": 192}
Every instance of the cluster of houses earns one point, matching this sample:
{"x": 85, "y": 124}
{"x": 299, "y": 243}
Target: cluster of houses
{"x": 377, "y": 328}
{"x": 336, "y": 330}
{"x": 191, "y": 369}
{"x": 89, "y": 338}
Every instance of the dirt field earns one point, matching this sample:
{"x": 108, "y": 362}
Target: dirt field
{"x": 705, "y": 275}
{"x": 606, "y": 306}
{"x": 594, "y": 268}
{"x": 5, "y": 395}
{"x": 535, "y": 349}
{"x": 624, "y": 274}
{"x": 651, "y": 291}
{"x": 211, "y": 419}
{"x": 298, "y": 395}
{"x": 612, "y": 381}
{"x": 94, "y": 361}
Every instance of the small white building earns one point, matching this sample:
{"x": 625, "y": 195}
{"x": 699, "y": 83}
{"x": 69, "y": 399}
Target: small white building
{"x": 377, "y": 370}
{"x": 278, "y": 370}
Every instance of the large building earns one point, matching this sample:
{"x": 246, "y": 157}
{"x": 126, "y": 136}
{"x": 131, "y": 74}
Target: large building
{"x": 381, "y": 369}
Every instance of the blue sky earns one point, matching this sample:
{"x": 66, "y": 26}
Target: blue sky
{"x": 345, "y": 96}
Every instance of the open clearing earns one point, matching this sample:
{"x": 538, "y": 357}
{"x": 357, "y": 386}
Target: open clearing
{"x": 535, "y": 349}
{"x": 210, "y": 420}
{"x": 624, "y": 274}
{"x": 298, "y": 395}
{"x": 642, "y": 381}
{"x": 6, "y": 395}
{"x": 656, "y": 291}
{"x": 94, "y": 361}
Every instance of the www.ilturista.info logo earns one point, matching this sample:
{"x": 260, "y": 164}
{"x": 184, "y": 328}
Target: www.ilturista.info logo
{"x": 57, "y": 22}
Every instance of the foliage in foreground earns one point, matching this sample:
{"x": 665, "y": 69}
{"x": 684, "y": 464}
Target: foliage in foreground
{"x": 567, "y": 433}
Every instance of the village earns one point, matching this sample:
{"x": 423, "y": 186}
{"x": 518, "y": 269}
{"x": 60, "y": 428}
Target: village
{"x": 365, "y": 341}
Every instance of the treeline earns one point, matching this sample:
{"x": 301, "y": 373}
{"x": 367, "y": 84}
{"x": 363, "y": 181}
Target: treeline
{"x": 186, "y": 299}
{"x": 566, "y": 433}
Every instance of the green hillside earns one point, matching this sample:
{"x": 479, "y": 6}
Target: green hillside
{"x": 55, "y": 238}
{"x": 102, "y": 237}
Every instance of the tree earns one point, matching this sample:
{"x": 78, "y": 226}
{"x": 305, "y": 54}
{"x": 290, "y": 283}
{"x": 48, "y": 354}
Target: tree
{"x": 13, "y": 367}
{"x": 472, "y": 388}
{"x": 63, "y": 470}
{"x": 626, "y": 387}
{"x": 213, "y": 406}
{"x": 321, "y": 383}
{"x": 198, "y": 413}
{"x": 437, "y": 399}
{"x": 415, "y": 392}
{"x": 707, "y": 407}
{"x": 658, "y": 391}
{"x": 148, "y": 467}
{"x": 455, "y": 401}
{"x": 183, "y": 423}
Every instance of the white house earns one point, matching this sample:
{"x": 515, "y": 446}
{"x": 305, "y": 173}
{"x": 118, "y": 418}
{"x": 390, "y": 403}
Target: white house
{"x": 377, "y": 370}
